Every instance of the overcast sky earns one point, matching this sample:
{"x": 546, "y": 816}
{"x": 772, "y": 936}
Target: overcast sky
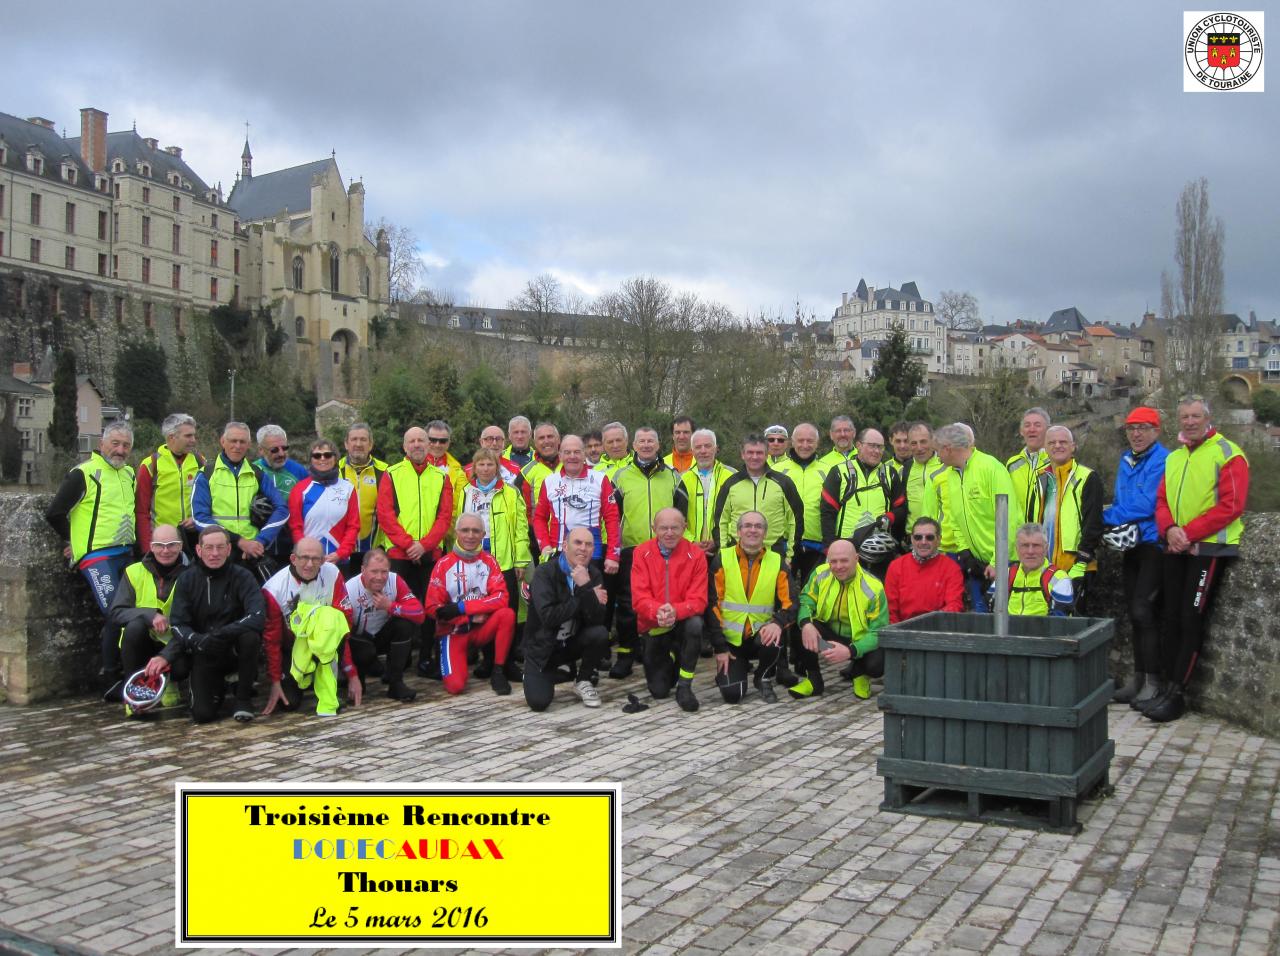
{"x": 757, "y": 153}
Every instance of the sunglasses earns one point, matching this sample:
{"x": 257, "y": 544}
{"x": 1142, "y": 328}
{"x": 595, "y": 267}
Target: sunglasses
{"x": 775, "y": 438}
{"x": 278, "y": 449}
{"x": 437, "y": 441}
{"x": 316, "y": 455}
{"x": 924, "y": 537}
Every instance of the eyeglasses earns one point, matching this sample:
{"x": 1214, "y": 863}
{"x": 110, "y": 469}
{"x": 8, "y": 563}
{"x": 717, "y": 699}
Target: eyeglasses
{"x": 308, "y": 559}
{"x": 1139, "y": 427}
{"x": 166, "y": 545}
{"x": 278, "y": 449}
{"x": 437, "y": 441}
{"x": 924, "y": 537}
{"x": 776, "y": 438}
{"x": 316, "y": 455}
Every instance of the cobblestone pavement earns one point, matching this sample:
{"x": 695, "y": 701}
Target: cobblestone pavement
{"x": 751, "y": 828}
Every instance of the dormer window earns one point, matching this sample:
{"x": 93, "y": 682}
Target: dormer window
{"x": 454, "y": 321}
{"x": 117, "y": 166}
{"x": 35, "y": 163}
{"x": 101, "y": 183}
{"x": 144, "y": 169}
{"x": 4, "y": 153}
{"x": 175, "y": 179}
{"x": 69, "y": 173}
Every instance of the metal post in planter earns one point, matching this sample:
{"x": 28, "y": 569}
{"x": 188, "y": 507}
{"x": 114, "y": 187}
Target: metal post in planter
{"x": 998, "y": 561}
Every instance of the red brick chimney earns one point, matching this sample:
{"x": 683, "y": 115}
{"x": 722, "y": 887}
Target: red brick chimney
{"x": 93, "y": 138}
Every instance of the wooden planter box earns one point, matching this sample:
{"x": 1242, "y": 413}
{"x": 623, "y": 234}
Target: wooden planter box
{"x": 1006, "y": 730}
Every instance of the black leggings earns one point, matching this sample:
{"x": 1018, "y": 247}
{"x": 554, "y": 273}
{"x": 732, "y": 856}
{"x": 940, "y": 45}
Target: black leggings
{"x": 588, "y": 647}
{"x": 365, "y": 648}
{"x": 619, "y": 611}
{"x": 733, "y": 684}
{"x": 1191, "y": 583}
{"x": 209, "y": 667}
{"x": 680, "y": 646}
{"x": 870, "y": 664}
{"x": 1143, "y": 569}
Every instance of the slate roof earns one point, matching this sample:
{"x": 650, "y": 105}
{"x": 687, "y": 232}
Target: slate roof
{"x": 18, "y": 136}
{"x": 909, "y": 291}
{"x": 265, "y": 196}
{"x": 16, "y": 386}
{"x": 1066, "y": 320}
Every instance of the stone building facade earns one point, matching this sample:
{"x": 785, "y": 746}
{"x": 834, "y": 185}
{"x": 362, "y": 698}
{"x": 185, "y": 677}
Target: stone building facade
{"x": 109, "y": 237}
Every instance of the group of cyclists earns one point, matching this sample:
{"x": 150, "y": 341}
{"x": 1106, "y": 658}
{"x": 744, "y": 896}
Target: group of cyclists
{"x": 553, "y": 558}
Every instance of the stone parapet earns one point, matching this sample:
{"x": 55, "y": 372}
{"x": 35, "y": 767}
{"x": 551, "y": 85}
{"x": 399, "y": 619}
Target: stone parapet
{"x": 49, "y": 626}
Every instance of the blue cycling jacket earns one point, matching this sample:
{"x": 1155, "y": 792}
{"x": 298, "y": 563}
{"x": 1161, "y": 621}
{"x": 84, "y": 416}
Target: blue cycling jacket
{"x": 1137, "y": 480}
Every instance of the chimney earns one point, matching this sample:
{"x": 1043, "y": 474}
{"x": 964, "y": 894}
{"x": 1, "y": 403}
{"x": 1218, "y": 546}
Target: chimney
{"x": 22, "y": 371}
{"x": 175, "y": 151}
{"x": 151, "y": 143}
{"x": 93, "y": 138}
{"x": 41, "y": 121}
{"x": 844, "y": 299}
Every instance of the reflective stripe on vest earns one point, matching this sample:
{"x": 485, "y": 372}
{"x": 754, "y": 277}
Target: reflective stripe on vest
{"x": 417, "y": 496}
{"x": 103, "y": 518}
{"x": 738, "y": 608}
{"x": 870, "y": 500}
{"x": 1191, "y": 485}
{"x": 171, "y": 485}
{"x": 860, "y": 602}
{"x": 145, "y": 595}
{"x": 231, "y": 496}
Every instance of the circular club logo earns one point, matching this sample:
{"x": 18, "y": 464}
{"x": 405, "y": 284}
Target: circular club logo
{"x": 1223, "y": 51}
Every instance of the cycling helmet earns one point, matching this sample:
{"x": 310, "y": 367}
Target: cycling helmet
{"x": 878, "y": 546}
{"x": 1122, "y": 537}
{"x": 142, "y": 693}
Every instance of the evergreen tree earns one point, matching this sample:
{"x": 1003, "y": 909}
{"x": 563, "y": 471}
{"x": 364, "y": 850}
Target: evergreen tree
{"x": 142, "y": 380}
{"x": 64, "y": 430}
{"x": 902, "y": 374}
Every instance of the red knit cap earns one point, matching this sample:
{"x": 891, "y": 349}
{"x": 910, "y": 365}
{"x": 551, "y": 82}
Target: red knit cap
{"x": 1143, "y": 416}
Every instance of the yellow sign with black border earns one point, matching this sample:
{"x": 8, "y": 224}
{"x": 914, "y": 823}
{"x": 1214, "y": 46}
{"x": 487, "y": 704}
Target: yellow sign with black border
{"x": 357, "y": 864}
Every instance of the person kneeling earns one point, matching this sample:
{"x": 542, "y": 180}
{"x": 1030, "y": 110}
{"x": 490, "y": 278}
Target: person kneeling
{"x": 753, "y": 603}
{"x": 308, "y": 609}
{"x": 387, "y": 615}
{"x": 141, "y": 608}
{"x": 566, "y": 622}
{"x": 467, "y": 596}
{"x": 216, "y": 624}
{"x": 669, "y": 595}
{"x": 842, "y": 609}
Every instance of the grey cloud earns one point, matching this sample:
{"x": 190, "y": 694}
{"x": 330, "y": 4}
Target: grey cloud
{"x": 1030, "y": 155}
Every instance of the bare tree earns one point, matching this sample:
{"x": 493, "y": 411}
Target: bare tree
{"x": 406, "y": 267}
{"x": 1191, "y": 299}
{"x": 542, "y": 302}
{"x": 958, "y": 311}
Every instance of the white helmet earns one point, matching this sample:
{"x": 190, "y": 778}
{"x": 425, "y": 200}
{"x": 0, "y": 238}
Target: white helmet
{"x": 142, "y": 693}
{"x": 877, "y": 546}
{"x": 1123, "y": 537}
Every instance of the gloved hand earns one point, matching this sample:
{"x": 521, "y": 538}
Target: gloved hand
{"x": 971, "y": 566}
{"x": 447, "y": 612}
{"x": 207, "y": 643}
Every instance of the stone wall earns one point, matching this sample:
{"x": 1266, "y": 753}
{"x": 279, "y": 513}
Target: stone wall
{"x": 1238, "y": 677}
{"x": 49, "y": 627}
